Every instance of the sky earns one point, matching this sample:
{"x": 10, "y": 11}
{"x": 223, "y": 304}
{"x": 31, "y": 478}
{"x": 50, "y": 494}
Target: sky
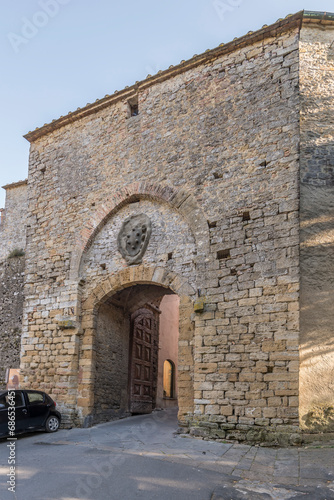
{"x": 58, "y": 55}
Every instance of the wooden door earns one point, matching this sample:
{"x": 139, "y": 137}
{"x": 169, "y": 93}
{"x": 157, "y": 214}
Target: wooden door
{"x": 143, "y": 361}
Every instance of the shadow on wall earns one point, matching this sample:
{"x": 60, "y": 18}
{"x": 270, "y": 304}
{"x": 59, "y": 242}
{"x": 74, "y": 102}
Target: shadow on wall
{"x": 317, "y": 301}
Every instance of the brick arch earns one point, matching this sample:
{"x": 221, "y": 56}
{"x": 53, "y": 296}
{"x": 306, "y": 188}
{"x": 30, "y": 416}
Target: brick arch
{"x": 182, "y": 201}
{"x": 136, "y": 275}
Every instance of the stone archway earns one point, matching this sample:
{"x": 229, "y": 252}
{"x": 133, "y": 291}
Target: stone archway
{"x": 154, "y": 283}
{"x": 182, "y": 201}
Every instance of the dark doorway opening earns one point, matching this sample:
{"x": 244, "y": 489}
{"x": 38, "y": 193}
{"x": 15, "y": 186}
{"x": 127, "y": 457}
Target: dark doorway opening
{"x": 137, "y": 329}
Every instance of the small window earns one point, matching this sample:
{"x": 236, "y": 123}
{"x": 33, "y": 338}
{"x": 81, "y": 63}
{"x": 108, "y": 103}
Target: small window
{"x": 223, "y": 254}
{"x": 35, "y": 398}
{"x": 133, "y": 107}
{"x": 168, "y": 379}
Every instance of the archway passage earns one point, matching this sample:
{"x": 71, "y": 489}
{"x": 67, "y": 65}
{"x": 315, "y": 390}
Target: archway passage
{"x": 136, "y": 331}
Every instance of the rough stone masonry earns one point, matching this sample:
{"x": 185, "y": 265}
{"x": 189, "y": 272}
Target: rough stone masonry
{"x": 230, "y": 155}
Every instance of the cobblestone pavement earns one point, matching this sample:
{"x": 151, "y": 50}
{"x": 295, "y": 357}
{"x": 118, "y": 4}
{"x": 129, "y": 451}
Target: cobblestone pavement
{"x": 142, "y": 457}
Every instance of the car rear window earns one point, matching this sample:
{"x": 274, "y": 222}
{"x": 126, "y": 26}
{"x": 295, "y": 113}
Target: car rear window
{"x": 35, "y": 398}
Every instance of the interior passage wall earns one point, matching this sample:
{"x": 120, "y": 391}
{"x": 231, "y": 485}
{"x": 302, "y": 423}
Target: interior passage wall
{"x": 112, "y": 363}
{"x": 11, "y": 310}
{"x": 168, "y": 347}
{"x": 317, "y": 228}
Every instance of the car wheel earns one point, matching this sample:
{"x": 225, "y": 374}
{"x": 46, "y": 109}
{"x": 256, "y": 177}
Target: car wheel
{"x": 52, "y": 424}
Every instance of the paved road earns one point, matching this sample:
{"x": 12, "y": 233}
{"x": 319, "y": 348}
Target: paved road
{"x": 142, "y": 458}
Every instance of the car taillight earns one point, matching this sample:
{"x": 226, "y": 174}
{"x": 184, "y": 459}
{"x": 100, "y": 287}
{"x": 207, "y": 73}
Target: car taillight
{"x": 55, "y": 403}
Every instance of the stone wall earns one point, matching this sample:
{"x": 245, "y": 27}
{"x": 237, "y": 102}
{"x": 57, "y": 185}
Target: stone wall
{"x": 11, "y": 311}
{"x": 13, "y": 219}
{"x": 317, "y": 228}
{"x": 12, "y": 266}
{"x": 112, "y": 362}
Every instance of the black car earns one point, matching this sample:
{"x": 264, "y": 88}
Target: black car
{"x": 27, "y": 410}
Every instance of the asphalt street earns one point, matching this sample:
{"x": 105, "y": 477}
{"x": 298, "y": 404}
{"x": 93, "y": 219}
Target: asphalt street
{"x": 143, "y": 457}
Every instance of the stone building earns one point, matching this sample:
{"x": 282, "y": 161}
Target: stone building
{"x": 13, "y": 235}
{"x": 202, "y": 195}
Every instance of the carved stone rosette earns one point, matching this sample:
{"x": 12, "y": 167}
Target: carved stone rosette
{"x": 133, "y": 238}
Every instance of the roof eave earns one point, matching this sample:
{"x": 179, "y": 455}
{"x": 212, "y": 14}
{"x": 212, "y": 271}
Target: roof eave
{"x": 266, "y": 31}
{"x": 15, "y": 184}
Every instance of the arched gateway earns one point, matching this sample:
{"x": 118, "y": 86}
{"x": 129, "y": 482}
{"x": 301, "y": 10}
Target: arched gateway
{"x": 137, "y": 289}
{"x": 120, "y": 367}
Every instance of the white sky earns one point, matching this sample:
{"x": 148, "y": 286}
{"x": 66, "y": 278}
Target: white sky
{"x": 58, "y": 55}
